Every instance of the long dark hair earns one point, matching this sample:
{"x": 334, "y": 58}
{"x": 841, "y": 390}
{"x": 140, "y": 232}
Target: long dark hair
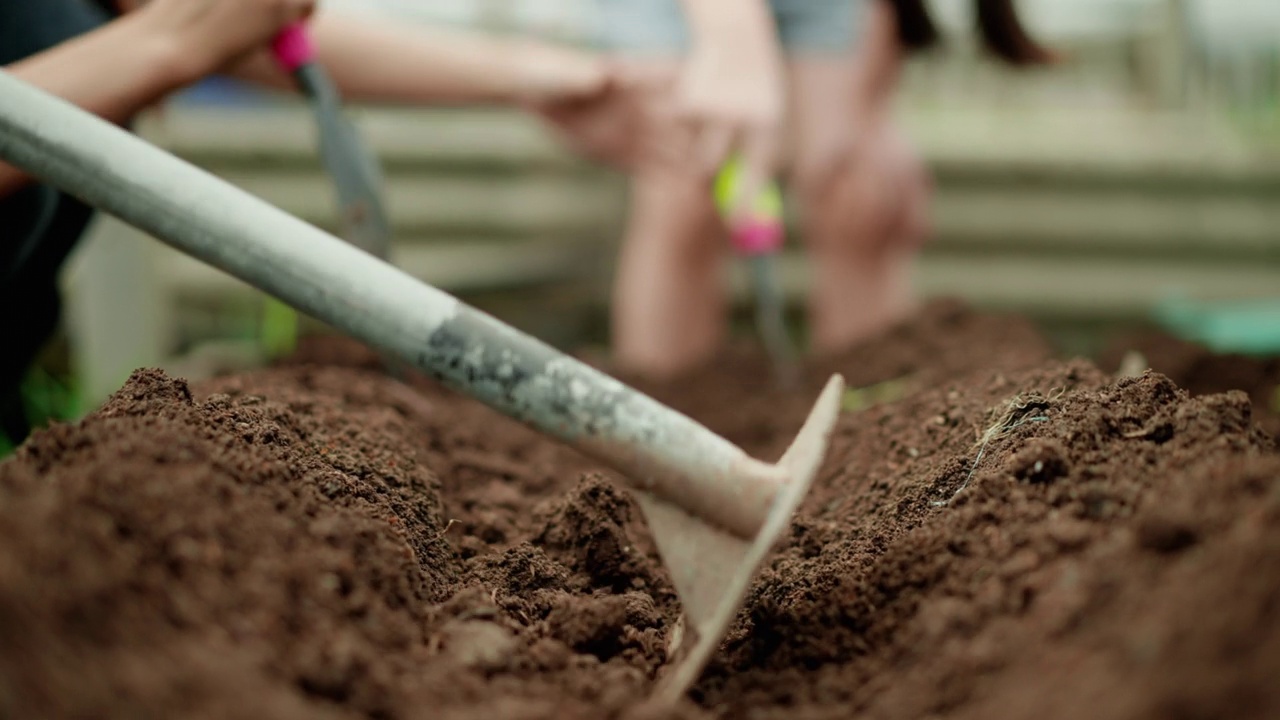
{"x": 998, "y": 23}
{"x": 107, "y": 6}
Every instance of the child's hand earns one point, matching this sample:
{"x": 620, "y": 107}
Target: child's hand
{"x": 210, "y": 34}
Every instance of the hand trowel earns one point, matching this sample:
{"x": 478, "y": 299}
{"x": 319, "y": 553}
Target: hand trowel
{"x": 757, "y": 234}
{"x": 350, "y": 163}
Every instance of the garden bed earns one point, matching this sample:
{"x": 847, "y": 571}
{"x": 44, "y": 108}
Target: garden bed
{"x": 995, "y": 533}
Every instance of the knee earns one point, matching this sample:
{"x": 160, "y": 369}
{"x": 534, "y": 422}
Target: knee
{"x": 874, "y": 203}
{"x": 844, "y": 214}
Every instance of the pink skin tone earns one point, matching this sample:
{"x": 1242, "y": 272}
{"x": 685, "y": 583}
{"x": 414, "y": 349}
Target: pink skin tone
{"x": 862, "y": 191}
{"x": 130, "y": 64}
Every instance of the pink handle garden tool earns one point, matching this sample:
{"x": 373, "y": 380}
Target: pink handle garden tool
{"x": 758, "y": 235}
{"x": 350, "y": 163}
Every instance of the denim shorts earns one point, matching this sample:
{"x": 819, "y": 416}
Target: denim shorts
{"x": 658, "y": 26}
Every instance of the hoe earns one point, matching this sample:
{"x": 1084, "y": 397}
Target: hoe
{"x": 715, "y": 513}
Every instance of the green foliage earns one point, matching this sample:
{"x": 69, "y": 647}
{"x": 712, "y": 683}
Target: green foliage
{"x": 279, "y": 329}
{"x": 47, "y": 399}
{"x": 856, "y": 399}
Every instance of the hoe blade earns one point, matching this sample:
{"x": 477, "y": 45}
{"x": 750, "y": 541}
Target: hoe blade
{"x": 712, "y": 568}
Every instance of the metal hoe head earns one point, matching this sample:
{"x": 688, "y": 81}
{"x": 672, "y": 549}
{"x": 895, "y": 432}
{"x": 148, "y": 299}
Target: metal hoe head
{"x": 714, "y": 511}
{"x": 713, "y": 568}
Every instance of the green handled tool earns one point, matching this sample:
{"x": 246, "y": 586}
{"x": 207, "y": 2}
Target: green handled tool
{"x": 758, "y": 235}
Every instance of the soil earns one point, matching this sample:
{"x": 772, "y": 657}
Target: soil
{"x": 995, "y": 534}
{"x": 1201, "y": 371}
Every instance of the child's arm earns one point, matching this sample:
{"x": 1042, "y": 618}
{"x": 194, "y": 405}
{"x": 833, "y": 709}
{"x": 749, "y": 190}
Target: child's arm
{"x": 717, "y": 21}
{"x": 372, "y": 59}
{"x": 110, "y": 72}
{"x": 126, "y": 65}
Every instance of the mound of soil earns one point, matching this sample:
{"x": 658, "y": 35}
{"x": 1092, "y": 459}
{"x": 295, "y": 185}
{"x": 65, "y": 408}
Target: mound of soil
{"x": 994, "y": 534}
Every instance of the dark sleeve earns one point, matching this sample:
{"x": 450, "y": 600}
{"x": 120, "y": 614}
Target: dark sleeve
{"x": 38, "y": 226}
{"x": 28, "y": 27}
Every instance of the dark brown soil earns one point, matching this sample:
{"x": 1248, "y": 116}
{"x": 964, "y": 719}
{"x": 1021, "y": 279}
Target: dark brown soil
{"x": 1200, "y": 371}
{"x": 994, "y": 534}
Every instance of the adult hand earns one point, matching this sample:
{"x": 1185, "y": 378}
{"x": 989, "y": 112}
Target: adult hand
{"x": 733, "y": 97}
{"x": 628, "y": 123}
{"x": 208, "y": 35}
{"x": 730, "y": 94}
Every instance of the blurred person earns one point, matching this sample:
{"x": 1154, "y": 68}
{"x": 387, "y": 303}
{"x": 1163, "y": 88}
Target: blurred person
{"x": 117, "y": 59}
{"x": 802, "y": 88}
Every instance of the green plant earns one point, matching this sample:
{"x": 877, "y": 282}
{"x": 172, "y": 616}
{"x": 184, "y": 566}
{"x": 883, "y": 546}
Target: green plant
{"x": 47, "y": 398}
{"x": 278, "y": 332}
{"x": 856, "y": 399}
{"x": 50, "y": 398}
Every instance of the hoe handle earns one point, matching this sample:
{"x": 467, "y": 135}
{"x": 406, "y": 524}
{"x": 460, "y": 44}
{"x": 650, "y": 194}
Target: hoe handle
{"x": 658, "y": 450}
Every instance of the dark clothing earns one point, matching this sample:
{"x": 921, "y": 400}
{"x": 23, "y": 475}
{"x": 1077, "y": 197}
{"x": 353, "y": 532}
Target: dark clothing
{"x": 39, "y": 225}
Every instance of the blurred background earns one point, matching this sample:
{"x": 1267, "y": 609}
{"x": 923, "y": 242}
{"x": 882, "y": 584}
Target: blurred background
{"x": 1141, "y": 175}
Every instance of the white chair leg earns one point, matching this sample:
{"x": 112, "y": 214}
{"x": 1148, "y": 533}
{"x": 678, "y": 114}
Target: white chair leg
{"x": 115, "y": 314}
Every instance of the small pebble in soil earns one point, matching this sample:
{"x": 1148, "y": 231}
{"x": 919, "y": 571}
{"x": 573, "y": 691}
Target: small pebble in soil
{"x": 479, "y": 644}
{"x": 1041, "y": 461}
{"x": 1165, "y": 533}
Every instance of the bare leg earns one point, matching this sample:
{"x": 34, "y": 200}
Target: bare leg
{"x": 668, "y": 304}
{"x": 864, "y": 218}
